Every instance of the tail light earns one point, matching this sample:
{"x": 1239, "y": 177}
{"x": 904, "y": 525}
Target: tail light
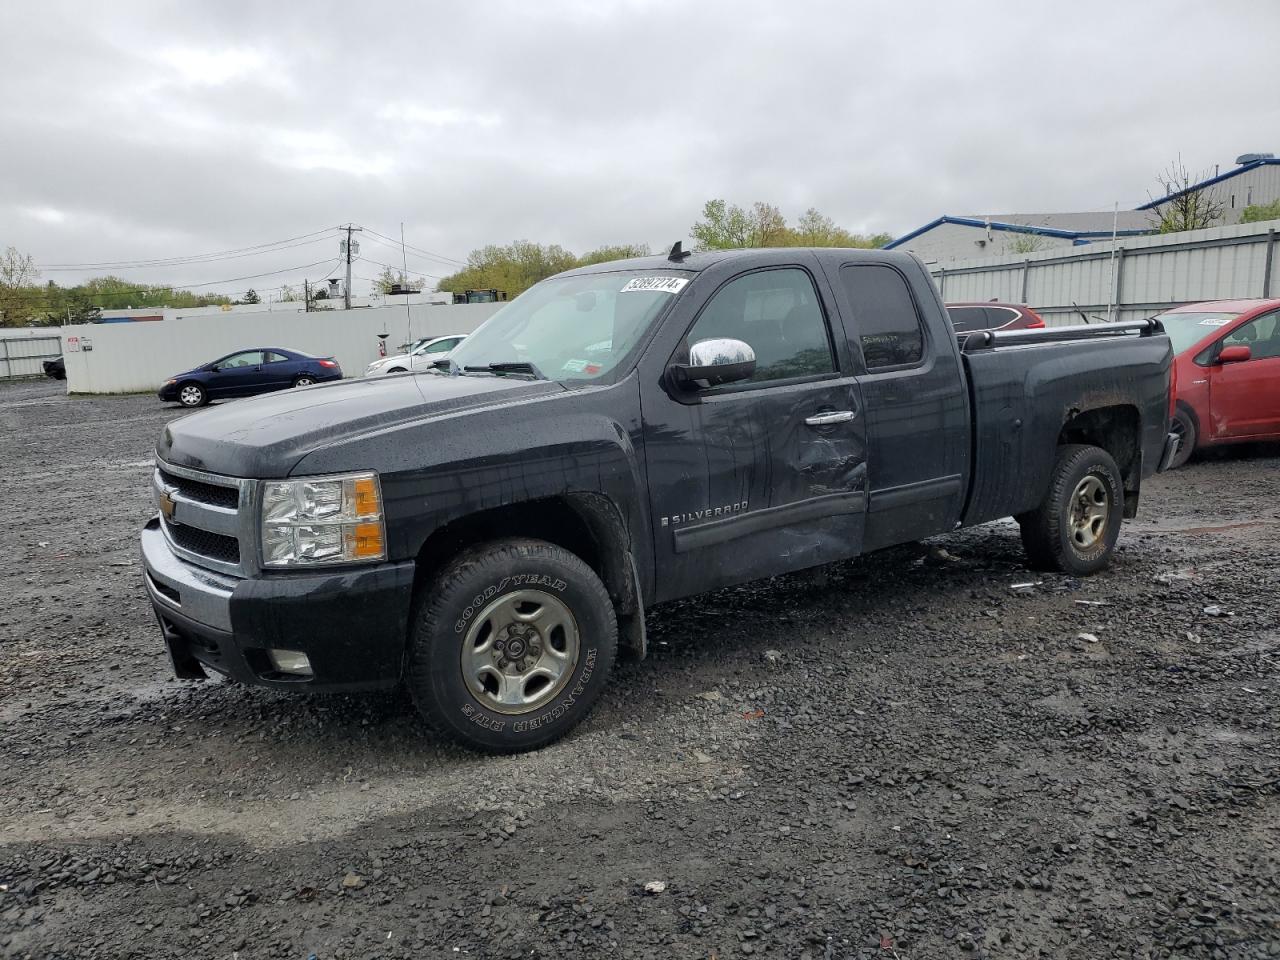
{"x": 328, "y": 363}
{"x": 1037, "y": 321}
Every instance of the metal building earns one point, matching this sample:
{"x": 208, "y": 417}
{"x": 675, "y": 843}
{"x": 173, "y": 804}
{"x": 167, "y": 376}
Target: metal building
{"x": 1255, "y": 181}
{"x": 1004, "y": 234}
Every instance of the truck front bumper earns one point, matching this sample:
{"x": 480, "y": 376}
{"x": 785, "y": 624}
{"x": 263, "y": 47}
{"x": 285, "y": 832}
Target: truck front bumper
{"x": 350, "y": 623}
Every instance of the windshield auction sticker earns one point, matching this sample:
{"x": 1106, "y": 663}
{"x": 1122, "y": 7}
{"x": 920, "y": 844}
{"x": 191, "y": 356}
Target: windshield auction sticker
{"x": 1215, "y": 322}
{"x": 657, "y": 284}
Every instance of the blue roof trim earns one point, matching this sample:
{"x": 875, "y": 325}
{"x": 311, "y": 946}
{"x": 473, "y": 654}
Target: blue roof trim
{"x": 1243, "y": 168}
{"x": 1074, "y": 235}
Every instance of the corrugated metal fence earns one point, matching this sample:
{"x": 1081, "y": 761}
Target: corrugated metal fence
{"x": 1141, "y": 277}
{"x": 23, "y": 355}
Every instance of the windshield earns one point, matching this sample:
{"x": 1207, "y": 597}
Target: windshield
{"x": 572, "y": 328}
{"x": 1187, "y": 329}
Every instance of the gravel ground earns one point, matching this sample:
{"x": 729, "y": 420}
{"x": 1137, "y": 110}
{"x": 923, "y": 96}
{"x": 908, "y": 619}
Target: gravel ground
{"x": 907, "y": 756}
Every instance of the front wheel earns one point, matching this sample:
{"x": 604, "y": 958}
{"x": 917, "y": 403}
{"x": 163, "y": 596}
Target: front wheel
{"x": 1075, "y": 528}
{"x": 192, "y": 395}
{"x": 511, "y": 645}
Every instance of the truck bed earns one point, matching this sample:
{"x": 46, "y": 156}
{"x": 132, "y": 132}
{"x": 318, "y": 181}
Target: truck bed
{"x": 1026, "y": 389}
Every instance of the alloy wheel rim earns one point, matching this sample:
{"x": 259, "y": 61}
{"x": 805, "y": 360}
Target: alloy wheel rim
{"x": 190, "y": 396}
{"x": 1090, "y": 507}
{"x": 520, "y": 651}
{"x": 305, "y": 381}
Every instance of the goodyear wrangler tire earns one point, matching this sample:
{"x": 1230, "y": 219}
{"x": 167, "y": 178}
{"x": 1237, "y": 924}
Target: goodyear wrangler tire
{"x": 1075, "y": 528}
{"x": 511, "y": 645}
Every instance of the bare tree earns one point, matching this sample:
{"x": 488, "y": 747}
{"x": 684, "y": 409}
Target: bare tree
{"x": 18, "y": 274}
{"x": 1182, "y": 207}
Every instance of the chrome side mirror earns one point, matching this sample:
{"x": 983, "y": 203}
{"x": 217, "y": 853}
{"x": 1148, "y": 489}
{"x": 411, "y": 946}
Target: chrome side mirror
{"x": 713, "y": 362}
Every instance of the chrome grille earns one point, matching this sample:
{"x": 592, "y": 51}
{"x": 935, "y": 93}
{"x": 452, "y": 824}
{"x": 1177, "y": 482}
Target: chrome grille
{"x": 201, "y": 492}
{"x": 213, "y": 545}
{"x": 207, "y": 518}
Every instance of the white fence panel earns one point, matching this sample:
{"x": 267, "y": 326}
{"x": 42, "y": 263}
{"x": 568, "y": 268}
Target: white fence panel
{"x": 138, "y": 357}
{"x": 23, "y": 352}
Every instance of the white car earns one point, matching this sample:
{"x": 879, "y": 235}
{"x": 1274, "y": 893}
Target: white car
{"x": 421, "y": 357}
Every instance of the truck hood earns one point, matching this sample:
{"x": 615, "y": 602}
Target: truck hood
{"x": 266, "y": 436}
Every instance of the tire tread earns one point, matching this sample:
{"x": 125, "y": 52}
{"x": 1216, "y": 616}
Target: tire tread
{"x": 430, "y": 608}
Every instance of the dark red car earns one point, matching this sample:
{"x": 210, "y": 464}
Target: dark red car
{"x": 993, "y": 316}
{"x": 1227, "y": 373}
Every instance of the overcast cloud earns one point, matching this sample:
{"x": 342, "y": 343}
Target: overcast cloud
{"x": 132, "y": 130}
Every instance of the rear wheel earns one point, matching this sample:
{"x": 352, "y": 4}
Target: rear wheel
{"x": 1075, "y": 528}
{"x": 511, "y": 645}
{"x": 192, "y": 395}
{"x": 1184, "y": 425}
{"x": 304, "y": 381}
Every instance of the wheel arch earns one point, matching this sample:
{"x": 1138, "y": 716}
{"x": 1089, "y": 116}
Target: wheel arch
{"x": 1116, "y": 429}
{"x": 588, "y": 525}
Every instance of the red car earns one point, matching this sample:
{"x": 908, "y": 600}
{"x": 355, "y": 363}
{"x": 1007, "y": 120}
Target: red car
{"x": 993, "y": 316}
{"x": 1226, "y": 373}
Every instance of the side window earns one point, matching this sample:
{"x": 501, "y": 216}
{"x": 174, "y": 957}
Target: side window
{"x": 1001, "y": 317}
{"x": 776, "y": 313}
{"x": 1261, "y": 336}
{"x": 443, "y": 346}
{"x": 272, "y": 357}
{"x": 250, "y": 358}
{"x": 884, "y": 315}
{"x": 965, "y": 319}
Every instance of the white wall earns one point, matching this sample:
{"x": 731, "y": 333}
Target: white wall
{"x": 137, "y": 357}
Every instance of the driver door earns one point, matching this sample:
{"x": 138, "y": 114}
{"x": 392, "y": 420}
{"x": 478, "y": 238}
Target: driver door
{"x": 764, "y": 475}
{"x": 237, "y": 375}
{"x": 1244, "y": 397}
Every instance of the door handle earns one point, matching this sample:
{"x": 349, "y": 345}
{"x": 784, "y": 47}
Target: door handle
{"x": 829, "y": 417}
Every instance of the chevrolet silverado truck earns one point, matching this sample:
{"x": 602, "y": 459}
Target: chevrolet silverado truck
{"x": 490, "y": 533}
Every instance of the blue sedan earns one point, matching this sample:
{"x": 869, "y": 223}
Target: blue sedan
{"x": 248, "y": 372}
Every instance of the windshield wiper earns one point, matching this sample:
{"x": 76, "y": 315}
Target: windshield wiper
{"x": 508, "y": 366}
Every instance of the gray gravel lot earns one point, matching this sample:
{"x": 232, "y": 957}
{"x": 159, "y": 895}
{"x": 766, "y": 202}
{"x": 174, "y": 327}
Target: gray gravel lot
{"x": 904, "y": 756}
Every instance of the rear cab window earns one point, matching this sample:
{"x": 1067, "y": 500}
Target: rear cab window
{"x": 889, "y": 328}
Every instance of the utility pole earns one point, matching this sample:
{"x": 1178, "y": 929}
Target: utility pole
{"x": 404, "y": 259}
{"x": 349, "y": 248}
{"x": 306, "y": 295}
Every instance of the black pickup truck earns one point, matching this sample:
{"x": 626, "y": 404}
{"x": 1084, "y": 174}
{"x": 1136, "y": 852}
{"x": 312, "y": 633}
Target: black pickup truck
{"x": 490, "y": 533}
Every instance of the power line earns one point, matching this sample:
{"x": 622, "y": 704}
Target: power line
{"x": 189, "y": 262}
{"x": 439, "y": 258}
{"x": 177, "y": 287}
{"x": 418, "y": 273}
{"x": 182, "y": 259}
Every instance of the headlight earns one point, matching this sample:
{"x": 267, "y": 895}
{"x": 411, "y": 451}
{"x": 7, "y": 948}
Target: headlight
{"x": 322, "y": 520}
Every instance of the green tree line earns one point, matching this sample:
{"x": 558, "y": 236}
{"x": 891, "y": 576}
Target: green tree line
{"x": 518, "y": 266}
{"x": 512, "y": 268}
{"x": 25, "y": 301}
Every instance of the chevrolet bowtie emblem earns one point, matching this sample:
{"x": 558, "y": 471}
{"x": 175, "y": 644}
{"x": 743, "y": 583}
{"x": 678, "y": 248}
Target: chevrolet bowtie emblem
{"x": 168, "y": 505}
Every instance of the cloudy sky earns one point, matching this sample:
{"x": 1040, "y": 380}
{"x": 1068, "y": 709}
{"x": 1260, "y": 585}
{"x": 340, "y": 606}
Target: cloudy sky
{"x": 138, "y": 131}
